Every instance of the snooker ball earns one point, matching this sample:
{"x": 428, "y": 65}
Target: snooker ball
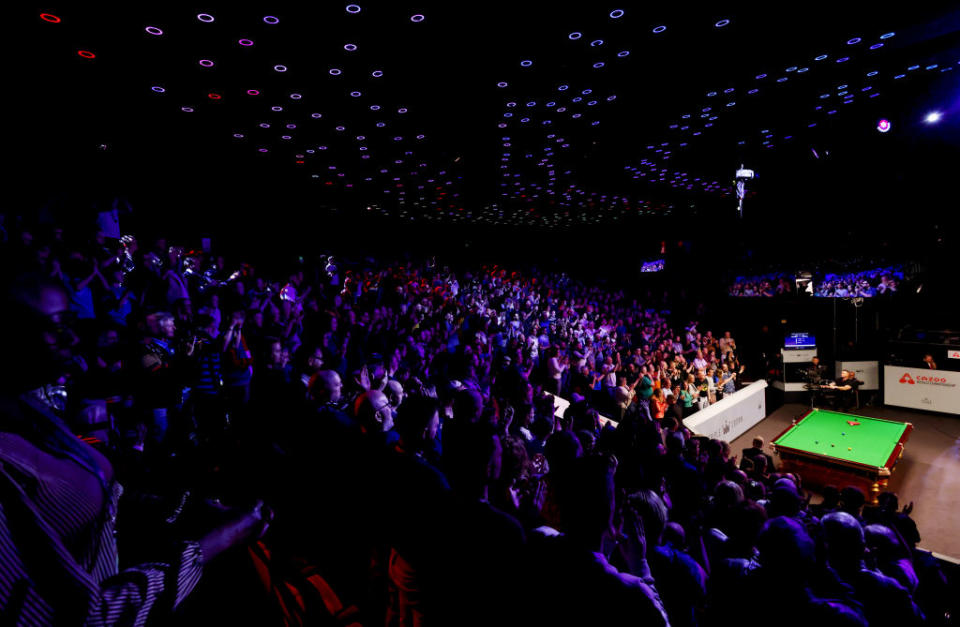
{"x": 844, "y": 433}
{"x": 849, "y": 448}
{"x": 833, "y": 445}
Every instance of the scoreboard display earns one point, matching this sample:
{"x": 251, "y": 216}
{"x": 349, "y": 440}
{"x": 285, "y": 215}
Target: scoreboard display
{"x": 800, "y": 340}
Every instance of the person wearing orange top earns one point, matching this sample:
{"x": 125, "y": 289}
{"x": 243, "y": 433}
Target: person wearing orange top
{"x": 658, "y": 404}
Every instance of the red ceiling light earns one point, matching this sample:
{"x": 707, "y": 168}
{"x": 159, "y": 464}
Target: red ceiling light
{"x": 86, "y": 54}
{"x": 214, "y": 96}
{"x": 47, "y": 17}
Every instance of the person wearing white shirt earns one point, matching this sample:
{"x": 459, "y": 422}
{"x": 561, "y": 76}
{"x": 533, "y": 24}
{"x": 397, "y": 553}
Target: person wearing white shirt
{"x": 555, "y": 368}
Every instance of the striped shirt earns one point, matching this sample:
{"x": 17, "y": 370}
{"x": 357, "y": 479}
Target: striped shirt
{"x": 58, "y": 555}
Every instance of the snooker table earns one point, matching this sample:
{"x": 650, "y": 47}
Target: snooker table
{"x": 823, "y": 448}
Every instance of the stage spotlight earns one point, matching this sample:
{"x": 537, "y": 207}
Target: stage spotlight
{"x": 933, "y": 117}
{"x": 883, "y": 125}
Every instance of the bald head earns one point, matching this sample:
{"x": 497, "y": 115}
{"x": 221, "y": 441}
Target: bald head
{"x": 844, "y": 537}
{"x": 373, "y": 412}
{"x": 325, "y": 386}
{"x": 394, "y": 392}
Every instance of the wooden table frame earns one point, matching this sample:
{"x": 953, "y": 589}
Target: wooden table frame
{"x": 821, "y": 470}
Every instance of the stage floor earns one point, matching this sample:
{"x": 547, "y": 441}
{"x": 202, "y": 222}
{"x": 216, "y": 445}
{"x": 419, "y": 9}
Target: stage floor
{"x": 928, "y": 474}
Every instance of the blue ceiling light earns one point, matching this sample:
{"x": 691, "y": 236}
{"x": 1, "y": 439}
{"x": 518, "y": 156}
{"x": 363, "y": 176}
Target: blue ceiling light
{"x": 574, "y": 36}
{"x": 616, "y": 14}
{"x": 820, "y": 58}
{"x": 875, "y": 46}
{"x": 802, "y": 70}
{"x": 760, "y": 76}
{"x": 623, "y": 53}
{"x": 721, "y": 23}
{"x": 596, "y": 42}
{"x": 854, "y": 41}
{"x": 526, "y": 63}
{"x": 843, "y": 59}
{"x": 887, "y": 35}
{"x": 659, "y": 29}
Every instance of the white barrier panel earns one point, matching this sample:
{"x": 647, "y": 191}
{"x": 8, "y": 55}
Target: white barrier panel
{"x": 731, "y": 416}
{"x": 866, "y": 371}
{"x": 932, "y": 390}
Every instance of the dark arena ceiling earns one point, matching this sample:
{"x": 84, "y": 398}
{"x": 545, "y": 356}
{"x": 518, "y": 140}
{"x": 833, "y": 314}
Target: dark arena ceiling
{"x": 554, "y": 115}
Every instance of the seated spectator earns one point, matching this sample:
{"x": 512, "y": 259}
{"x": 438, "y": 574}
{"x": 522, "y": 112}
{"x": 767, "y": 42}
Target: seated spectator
{"x": 576, "y": 571}
{"x": 413, "y": 498}
{"x": 852, "y": 501}
{"x": 756, "y": 449}
{"x": 787, "y": 577}
{"x": 883, "y": 599}
{"x": 65, "y": 558}
{"x": 891, "y": 556}
{"x": 680, "y": 580}
{"x": 830, "y": 502}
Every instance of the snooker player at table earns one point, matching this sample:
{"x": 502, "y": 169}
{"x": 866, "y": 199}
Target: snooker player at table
{"x": 845, "y": 389}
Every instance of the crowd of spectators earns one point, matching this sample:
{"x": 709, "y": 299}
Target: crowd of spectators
{"x": 866, "y": 284}
{"x": 381, "y": 439}
{"x": 877, "y": 281}
{"x": 763, "y": 285}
